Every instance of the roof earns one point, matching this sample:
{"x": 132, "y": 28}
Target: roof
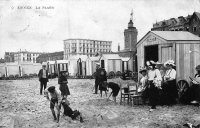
{"x": 51, "y": 54}
{"x": 111, "y": 56}
{"x": 176, "y": 35}
{"x": 76, "y": 57}
{"x": 51, "y": 62}
{"x": 61, "y": 61}
{"x": 172, "y": 22}
{"x": 198, "y": 14}
{"x": 173, "y": 36}
{"x": 96, "y": 58}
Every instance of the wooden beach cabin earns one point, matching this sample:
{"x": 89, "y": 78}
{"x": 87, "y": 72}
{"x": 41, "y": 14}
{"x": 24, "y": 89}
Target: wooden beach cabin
{"x": 91, "y": 65}
{"x": 111, "y": 62}
{"x": 181, "y": 46}
{"x": 61, "y": 65}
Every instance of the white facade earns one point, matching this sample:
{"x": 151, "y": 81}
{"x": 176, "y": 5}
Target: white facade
{"x": 85, "y": 47}
{"x": 25, "y": 56}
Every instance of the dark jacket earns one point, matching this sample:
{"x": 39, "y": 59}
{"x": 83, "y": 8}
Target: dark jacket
{"x": 97, "y": 75}
{"x": 41, "y": 73}
{"x": 102, "y": 75}
{"x": 62, "y": 80}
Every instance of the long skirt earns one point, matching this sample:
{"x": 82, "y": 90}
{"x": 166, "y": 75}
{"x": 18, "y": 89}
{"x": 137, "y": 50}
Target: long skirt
{"x": 194, "y": 91}
{"x": 64, "y": 89}
{"x": 153, "y": 93}
{"x": 170, "y": 92}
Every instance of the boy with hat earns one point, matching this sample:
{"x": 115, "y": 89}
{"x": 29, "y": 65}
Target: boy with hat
{"x": 69, "y": 112}
{"x": 55, "y": 101}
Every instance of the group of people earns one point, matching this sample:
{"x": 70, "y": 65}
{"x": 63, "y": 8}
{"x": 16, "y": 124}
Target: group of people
{"x": 103, "y": 85}
{"x": 56, "y": 99}
{"x": 158, "y": 86}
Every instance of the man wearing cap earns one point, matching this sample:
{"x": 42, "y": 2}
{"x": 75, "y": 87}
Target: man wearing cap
{"x": 43, "y": 78}
{"x": 97, "y": 79}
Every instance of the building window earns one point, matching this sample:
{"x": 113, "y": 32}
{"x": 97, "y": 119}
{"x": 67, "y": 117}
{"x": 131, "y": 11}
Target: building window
{"x": 195, "y": 29}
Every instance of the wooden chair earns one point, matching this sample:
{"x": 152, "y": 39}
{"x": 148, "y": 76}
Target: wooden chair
{"x": 127, "y": 91}
{"x": 136, "y": 99}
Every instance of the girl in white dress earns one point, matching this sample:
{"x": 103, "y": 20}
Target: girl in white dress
{"x": 154, "y": 83}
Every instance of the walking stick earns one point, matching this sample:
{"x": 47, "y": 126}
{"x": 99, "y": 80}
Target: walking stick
{"x": 110, "y": 95}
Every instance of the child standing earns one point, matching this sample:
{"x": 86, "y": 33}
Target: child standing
{"x": 55, "y": 101}
{"x": 62, "y": 80}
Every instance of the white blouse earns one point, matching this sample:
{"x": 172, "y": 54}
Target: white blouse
{"x": 154, "y": 74}
{"x": 171, "y": 74}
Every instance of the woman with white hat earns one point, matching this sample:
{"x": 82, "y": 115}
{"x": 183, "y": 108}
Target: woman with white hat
{"x": 169, "y": 86}
{"x": 154, "y": 83}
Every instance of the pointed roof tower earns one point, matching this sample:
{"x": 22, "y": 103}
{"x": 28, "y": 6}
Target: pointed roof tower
{"x": 130, "y": 24}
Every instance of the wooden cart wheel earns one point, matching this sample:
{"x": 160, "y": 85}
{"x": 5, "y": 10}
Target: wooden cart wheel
{"x": 182, "y": 87}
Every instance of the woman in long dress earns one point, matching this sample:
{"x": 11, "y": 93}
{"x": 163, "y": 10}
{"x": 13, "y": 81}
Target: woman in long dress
{"x": 154, "y": 84}
{"x": 62, "y": 80}
{"x": 169, "y": 84}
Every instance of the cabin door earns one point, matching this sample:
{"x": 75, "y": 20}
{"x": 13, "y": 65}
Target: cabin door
{"x": 166, "y": 53}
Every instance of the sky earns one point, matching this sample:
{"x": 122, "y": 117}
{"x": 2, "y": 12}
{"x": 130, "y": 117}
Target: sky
{"x": 42, "y": 25}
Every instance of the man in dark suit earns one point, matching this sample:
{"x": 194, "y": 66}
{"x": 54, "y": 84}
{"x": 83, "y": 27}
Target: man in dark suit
{"x": 97, "y": 81}
{"x": 43, "y": 78}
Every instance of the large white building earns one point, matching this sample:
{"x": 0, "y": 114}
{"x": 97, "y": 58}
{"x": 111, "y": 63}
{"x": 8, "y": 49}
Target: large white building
{"x": 25, "y": 56}
{"x": 85, "y": 47}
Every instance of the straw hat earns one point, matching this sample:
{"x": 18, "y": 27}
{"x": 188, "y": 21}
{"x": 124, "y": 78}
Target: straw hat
{"x": 158, "y": 63}
{"x": 150, "y": 63}
{"x": 169, "y": 62}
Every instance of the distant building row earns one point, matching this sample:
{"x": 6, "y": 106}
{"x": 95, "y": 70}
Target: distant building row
{"x": 21, "y": 56}
{"x": 189, "y": 23}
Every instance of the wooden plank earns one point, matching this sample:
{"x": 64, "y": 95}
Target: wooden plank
{"x": 177, "y": 62}
{"x": 181, "y": 61}
{"x": 192, "y": 59}
{"x": 186, "y": 61}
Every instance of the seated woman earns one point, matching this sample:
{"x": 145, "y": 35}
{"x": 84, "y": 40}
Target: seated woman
{"x": 142, "y": 84}
{"x": 195, "y": 88}
{"x": 170, "y": 92}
